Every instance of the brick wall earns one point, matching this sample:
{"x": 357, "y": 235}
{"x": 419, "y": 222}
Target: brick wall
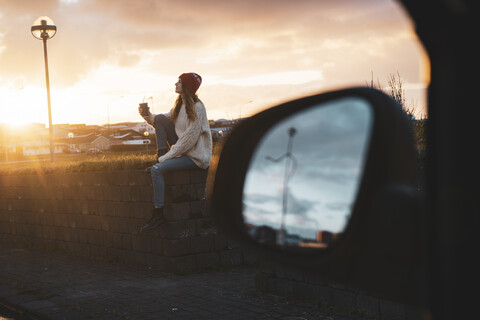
{"x": 99, "y": 214}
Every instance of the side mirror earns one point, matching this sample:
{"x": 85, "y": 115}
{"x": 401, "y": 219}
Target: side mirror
{"x": 326, "y": 184}
{"x": 303, "y": 177}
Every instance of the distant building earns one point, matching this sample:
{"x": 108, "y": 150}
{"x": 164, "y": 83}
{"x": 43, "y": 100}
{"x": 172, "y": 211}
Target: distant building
{"x": 325, "y": 237}
{"x": 34, "y": 138}
{"x": 101, "y": 143}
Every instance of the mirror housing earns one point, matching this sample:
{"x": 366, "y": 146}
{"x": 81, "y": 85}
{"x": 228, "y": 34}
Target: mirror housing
{"x": 386, "y": 216}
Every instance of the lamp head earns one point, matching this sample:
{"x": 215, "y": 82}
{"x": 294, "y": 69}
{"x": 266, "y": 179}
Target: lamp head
{"x": 43, "y": 28}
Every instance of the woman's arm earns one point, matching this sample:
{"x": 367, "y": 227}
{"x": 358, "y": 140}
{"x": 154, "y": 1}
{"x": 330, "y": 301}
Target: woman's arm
{"x": 190, "y": 136}
{"x": 150, "y": 118}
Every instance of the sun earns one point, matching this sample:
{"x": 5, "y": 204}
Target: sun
{"x": 14, "y": 128}
{"x": 19, "y": 107}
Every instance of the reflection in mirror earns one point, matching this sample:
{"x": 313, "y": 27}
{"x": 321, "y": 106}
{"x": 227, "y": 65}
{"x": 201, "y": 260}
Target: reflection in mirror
{"x": 303, "y": 178}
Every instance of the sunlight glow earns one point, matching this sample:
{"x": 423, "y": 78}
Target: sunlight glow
{"x": 23, "y": 105}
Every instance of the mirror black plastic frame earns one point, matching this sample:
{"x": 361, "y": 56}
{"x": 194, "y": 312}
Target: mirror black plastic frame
{"x": 389, "y": 173}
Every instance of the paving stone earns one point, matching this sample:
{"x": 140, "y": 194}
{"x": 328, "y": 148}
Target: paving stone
{"x": 61, "y": 286}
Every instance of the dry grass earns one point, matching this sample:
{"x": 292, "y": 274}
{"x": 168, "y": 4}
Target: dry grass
{"x": 108, "y": 161}
{"x": 79, "y": 162}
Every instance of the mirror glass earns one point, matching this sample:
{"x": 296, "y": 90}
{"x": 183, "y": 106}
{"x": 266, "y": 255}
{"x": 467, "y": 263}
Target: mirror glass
{"x": 303, "y": 178}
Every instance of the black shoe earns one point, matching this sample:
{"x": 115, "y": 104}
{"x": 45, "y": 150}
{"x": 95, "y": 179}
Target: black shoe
{"x": 156, "y": 220}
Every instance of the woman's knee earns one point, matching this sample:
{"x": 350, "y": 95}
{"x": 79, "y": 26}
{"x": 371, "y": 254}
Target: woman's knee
{"x": 156, "y": 170}
{"x": 160, "y": 120}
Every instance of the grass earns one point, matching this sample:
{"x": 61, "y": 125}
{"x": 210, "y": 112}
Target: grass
{"x": 108, "y": 161}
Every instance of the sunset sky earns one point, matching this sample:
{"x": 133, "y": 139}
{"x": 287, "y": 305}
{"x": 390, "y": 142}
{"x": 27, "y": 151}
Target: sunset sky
{"x": 108, "y": 55}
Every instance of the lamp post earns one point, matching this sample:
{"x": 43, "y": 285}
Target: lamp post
{"x": 146, "y": 134}
{"x": 70, "y": 137}
{"x": 43, "y": 28}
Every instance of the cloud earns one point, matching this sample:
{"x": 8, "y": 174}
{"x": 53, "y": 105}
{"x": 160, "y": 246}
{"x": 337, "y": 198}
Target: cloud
{"x": 264, "y": 33}
{"x": 297, "y": 205}
{"x": 339, "y": 206}
{"x": 330, "y": 140}
{"x": 300, "y": 206}
{"x": 293, "y": 47}
{"x": 262, "y": 209}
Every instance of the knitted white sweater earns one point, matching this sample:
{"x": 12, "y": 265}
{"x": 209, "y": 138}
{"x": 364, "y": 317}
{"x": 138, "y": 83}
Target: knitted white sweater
{"x": 194, "y": 138}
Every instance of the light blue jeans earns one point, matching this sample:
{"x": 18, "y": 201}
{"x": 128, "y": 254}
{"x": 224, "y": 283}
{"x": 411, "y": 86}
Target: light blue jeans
{"x": 158, "y": 171}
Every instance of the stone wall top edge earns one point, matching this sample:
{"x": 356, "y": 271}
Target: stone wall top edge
{"x": 105, "y": 177}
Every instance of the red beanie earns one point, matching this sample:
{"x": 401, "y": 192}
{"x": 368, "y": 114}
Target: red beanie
{"x": 191, "y": 80}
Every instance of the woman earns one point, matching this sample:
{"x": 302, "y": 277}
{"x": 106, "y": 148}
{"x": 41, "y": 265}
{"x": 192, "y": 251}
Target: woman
{"x": 184, "y": 140}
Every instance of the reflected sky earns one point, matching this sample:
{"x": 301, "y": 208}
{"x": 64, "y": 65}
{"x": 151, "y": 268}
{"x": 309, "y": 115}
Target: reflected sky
{"x": 329, "y": 149}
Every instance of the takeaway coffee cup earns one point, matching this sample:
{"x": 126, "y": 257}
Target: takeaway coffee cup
{"x": 144, "y": 110}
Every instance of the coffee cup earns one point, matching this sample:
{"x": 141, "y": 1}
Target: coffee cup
{"x": 144, "y": 110}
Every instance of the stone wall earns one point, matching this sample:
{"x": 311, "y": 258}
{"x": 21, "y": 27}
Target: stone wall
{"x": 99, "y": 214}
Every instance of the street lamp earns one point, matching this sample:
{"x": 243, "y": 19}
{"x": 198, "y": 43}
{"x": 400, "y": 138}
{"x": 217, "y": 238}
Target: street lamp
{"x": 70, "y": 137}
{"x": 146, "y": 134}
{"x": 43, "y": 28}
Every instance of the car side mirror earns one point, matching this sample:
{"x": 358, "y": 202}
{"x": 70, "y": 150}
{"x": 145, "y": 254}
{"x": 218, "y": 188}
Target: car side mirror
{"x": 326, "y": 183}
{"x": 303, "y": 177}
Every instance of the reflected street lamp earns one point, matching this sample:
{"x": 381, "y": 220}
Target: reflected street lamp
{"x": 290, "y": 166}
{"x": 43, "y": 28}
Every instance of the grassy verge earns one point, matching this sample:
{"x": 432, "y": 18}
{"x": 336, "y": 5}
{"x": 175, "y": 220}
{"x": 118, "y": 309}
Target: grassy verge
{"x": 107, "y": 161}
{"x": 79, "y": 162}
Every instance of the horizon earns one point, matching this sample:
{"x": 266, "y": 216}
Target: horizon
{"x": 5, "y": 124}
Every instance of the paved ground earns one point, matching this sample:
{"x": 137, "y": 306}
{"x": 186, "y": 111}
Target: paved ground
{"x": 59, "y": 286}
